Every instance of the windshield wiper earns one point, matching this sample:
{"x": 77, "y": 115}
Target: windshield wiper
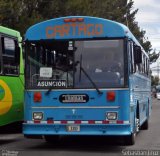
{"x": 48, "y": 91}
{"x": 89, "y": 78}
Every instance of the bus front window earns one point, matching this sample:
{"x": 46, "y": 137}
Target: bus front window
{"x": 103, "y": 61}
{"x": 59, "y": 64}
{"x": 49, "y": 64}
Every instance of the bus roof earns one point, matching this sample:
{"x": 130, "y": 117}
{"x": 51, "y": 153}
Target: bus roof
{"x": 10, "y": 32}
{"x": 78, "y": 27}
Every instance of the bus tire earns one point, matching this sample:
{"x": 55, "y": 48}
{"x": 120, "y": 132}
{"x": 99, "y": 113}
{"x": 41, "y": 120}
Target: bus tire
{"x": 51, "y": 138}
{"x": 130, "y": 140}
{"x": 145, "y": 125}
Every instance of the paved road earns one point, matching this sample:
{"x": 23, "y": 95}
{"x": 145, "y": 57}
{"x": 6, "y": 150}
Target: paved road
{"x": 13, "y": 143}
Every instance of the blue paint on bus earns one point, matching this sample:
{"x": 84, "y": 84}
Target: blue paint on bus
{"x": 85, "y": 76}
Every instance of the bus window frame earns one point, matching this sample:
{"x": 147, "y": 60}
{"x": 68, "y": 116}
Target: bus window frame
{"x": 131, "y": 55}
{"x": 126, "y": 75}
{"x": 2, "y": 35}
{"x": 125, "y": 40}
{"x": 144, "y": 65}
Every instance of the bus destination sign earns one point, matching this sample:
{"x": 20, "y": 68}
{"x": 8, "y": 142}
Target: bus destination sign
{"x": 51, "y": 83}
{"x": 74, "y": 29}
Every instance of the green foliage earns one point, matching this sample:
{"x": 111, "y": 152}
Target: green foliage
{"x": 19, "y": 15}
{"x": 153, "y": 56}
{"x": 22, "y": 14}
{"x": 154, "y": 80}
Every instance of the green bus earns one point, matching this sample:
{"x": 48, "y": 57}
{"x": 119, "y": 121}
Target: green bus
{"x": 11, "y": 76}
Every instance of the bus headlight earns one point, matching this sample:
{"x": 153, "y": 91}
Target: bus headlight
{"x": 111, "y": 115}
{"x": 37, "y": 116}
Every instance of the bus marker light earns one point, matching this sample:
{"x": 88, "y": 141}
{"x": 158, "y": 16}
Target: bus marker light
{"x": 111, "y": 96}
{"x": 37, "y": 97}
{"x": 67, "y": 20}
{"x": 80, "y": 19}
{"x": 73, "y": 20}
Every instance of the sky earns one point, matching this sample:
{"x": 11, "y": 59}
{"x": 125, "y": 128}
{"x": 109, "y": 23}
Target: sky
{"x": 148, "y": 18}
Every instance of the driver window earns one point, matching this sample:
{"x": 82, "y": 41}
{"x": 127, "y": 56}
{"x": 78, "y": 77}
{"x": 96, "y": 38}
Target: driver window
{"x": 9, "y": 65}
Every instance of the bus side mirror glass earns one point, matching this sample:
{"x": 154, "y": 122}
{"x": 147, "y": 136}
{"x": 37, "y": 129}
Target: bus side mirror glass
{"x": 17, "y": 55}
{"x": 137, "y": 54}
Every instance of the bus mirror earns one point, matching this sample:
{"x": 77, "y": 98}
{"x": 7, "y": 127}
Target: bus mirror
{"x": 17, "y": 55}
{"x": 137, "y": 54}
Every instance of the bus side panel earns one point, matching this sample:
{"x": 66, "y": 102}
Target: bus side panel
{"x": 140, "y": 96}
{"x": 11, "y": 100}
{"x": 12, "y": 87}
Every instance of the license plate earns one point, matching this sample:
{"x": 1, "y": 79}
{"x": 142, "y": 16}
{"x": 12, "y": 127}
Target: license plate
{"x": 74, "y": 98}
{"x": 74, "y": 128}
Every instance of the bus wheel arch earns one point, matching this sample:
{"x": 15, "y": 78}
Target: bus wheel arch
{"x": 130, "y": 139}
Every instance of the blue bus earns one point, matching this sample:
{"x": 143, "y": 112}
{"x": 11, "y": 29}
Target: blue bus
{"x": 85, "y": 76}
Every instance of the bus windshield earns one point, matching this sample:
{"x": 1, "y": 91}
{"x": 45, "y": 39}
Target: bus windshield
{"x": 58, "y": 64}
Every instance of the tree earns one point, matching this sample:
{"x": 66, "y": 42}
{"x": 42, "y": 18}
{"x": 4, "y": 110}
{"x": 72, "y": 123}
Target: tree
{"x": 153, "y": 56}
{"x": 22, "y": 14}
{"x": 154, "y": 80}
{"x": 19, "y": 15}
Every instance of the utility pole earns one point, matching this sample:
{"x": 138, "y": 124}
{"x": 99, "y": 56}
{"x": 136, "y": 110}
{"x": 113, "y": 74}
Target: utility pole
{"x": 158, "y": 70}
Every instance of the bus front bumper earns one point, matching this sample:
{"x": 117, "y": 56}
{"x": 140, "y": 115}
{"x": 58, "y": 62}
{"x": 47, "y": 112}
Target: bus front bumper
{"x": 91, "y": 129}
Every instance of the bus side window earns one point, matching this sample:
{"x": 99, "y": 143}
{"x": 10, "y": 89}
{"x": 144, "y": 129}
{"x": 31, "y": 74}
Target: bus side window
{"x": 10, "y": 66}
{"x": 138, "y": 59}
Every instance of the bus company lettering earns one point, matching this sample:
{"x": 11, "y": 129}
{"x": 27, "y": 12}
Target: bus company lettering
{"x": 74, "y": 29}
{"x": 51, "y": 83}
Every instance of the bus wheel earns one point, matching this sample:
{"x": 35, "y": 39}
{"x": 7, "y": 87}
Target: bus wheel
{"x": 51, "y": 138}
{"x": 130, "y": 140}
{"x": 145, "y": 125}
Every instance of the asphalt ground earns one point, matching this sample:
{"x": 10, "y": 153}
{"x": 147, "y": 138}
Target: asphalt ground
{"x": 13, "y": 143}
